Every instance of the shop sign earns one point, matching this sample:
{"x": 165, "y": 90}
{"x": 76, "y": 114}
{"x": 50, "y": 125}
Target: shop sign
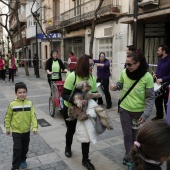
{"x": 50, "y": 36}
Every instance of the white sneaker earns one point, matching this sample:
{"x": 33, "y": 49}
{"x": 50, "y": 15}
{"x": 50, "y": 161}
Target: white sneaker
{"x": 3, "y": 82}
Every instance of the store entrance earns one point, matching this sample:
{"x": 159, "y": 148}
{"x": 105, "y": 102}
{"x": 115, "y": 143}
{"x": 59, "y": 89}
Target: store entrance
{"x": 155, "y": 35}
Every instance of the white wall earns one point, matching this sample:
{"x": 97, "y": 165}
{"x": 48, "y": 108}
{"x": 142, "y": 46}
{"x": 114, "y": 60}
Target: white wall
{"x": 120, "y": 34}
{"x": 28, "y": 8}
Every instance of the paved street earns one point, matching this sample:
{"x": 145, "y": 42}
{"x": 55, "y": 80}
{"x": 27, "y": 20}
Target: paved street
{"x": 47, "y": 147}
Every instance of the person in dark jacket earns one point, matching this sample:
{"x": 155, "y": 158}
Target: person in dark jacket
{"x": 103, "y": 74}
{"x": 130, "y": 49}
{"x": 54, "y": 66}
{"x": 162, "y": 76}
{"x": 35, "y": 62}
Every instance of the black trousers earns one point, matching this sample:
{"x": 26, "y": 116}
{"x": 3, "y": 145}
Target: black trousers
{"x": 20, "y": 148}
{"x": 2, "y": 74}
{"x": 160, "y": 103}
{"x": 11, "y": 74}
{"x": 71, "y": 126}
{"x": 105, "y": 87}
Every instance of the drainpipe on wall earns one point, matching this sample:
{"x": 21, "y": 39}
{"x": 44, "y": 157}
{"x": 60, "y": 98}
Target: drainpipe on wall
{"x": 135, "y": 23}
{"x": 128, "y": 24}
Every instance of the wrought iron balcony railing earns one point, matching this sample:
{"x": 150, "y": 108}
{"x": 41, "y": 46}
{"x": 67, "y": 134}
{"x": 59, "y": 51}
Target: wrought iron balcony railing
{"x": 53, "y": 23}
{"x": 86, "y": 11}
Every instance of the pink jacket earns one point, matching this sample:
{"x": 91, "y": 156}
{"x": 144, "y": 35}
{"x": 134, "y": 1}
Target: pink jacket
{"x": 11, "y": 63}
{"x": 1, "y": 64}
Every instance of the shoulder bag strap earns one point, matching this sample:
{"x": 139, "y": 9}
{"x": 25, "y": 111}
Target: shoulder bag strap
{"x": 74, "y": 85}
{"x": 129, "y": 91}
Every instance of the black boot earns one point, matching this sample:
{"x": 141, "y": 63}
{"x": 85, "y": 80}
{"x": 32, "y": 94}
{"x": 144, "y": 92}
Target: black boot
{"x": 88, "y": 164}
{"x": 68, "y": 152}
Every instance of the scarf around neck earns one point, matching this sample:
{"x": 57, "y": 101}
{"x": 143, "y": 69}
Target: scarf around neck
{"x": 139, "y": 73}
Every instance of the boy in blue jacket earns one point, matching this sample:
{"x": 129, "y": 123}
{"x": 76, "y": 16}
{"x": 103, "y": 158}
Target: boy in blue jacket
{"x": 20, "y": 117}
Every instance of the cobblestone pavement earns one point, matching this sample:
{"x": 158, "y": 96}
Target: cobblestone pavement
{"x": 46, "y": 151}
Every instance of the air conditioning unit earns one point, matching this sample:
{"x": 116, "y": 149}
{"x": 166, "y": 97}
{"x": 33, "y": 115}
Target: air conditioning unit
{"x": 147, "y": 2}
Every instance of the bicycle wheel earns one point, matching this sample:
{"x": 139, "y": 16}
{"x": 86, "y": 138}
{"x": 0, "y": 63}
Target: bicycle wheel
{"x": 51, "y": 107}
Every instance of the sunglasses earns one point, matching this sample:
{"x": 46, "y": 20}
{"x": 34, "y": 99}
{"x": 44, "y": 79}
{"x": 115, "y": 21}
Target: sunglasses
{"x": 91, "y": 64}
{"x": 129, "y": 64}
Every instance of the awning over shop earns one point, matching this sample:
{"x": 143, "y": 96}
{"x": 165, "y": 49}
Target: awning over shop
{"x": 144, "y": 17}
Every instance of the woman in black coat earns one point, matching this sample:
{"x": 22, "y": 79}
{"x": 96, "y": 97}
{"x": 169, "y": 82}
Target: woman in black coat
{"x": 54, "y": 67}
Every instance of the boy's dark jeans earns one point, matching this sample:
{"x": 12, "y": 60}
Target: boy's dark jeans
{"x": 20, "y": 148}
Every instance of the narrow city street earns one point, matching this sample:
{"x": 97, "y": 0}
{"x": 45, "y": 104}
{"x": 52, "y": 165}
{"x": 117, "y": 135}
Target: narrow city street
{"x": 46, "y": 150}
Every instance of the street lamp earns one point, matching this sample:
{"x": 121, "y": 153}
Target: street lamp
{"x": 135, "y": 23}
{"x": 36, "y": 15}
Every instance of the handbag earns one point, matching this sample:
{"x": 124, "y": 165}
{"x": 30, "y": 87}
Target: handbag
{"x": 120, "y": 100}
{"x": 98, "y": 126}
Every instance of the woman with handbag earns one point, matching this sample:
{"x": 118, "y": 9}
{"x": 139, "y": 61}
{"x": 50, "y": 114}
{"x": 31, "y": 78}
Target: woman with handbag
{"x": 82, "y": 72}
{"x": 137, "y": 98}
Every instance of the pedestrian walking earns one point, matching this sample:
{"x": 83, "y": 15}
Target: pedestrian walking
{"x": 161, "y": 76}
{"x": 151, "y": 147}
{"x": 35, "y": 63}
{"x": 83, "y": 72}
{"x": 72, "y": 61}
{"x": 3, "y": 71}
{"x": 11, "y": 67}
{"x": 20, "y": 117}
{"x": 103, "y": 74}
{"x": 137, "y": 84}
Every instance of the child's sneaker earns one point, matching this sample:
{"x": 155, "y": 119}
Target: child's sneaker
{"x": 23, "y": 165}
{"x": 131, "y": 166}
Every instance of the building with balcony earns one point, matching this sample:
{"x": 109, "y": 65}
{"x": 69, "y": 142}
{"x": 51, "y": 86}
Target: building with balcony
{"x": 3, "y": 33}
{"x": 32, "y": 29}
{"x": 110, "y": 36}
{"x": 153, "y": 26}
{"x": 51, "y": 26}
{"x": 73, "y": 19}
{"x": 1, "y": 37}
{"x": 13, "y": 25}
